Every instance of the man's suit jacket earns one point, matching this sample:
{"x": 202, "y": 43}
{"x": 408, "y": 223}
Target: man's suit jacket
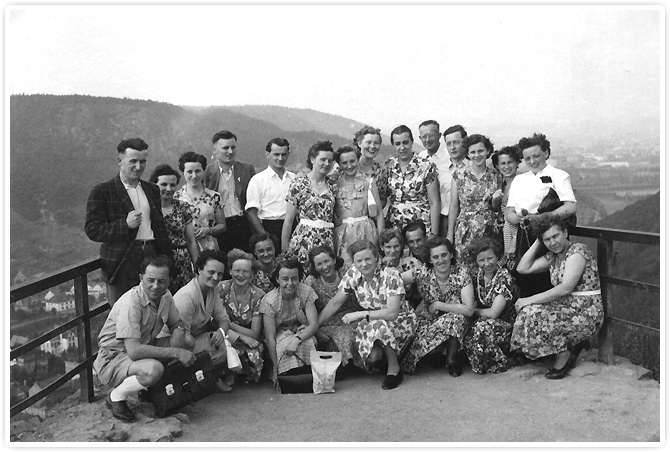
{"x": 242, "y": 172}
{"x": 106, "y": 211}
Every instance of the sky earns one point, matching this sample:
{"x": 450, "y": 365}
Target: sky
{"x": 382, "y": 65}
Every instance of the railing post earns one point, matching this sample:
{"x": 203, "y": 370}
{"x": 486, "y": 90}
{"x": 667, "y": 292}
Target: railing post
{"x": 83, "y": 336}
{"x": 605, "y": 344}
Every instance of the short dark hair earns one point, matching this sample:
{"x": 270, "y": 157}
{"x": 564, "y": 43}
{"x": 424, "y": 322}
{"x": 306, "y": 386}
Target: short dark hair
{"x": 414, "y": 226}
{"x": 362, "y": 245}
{"x": 158, "y": 261}
{"x": 315, "y": 251}
{"x": 223, "y": 135}
{"x": 163, "y": 170}
{"x": 319, "y": 146}
{"x": 435, "y": 241}
{"x": 389, "y": 234}
{"x": 133, "y": 143}
{"x": 209, "y": 255}
{"x": 484, "y": 244}
{"x": 345, "y": 149}
{"x": 289, "y": 263}
{"x": 366, "y": 130}
{"x": 430, "y": 122}
{"x": 538, "y": 139}
{"x": 192, "y": 157}
{"x": 513, "y": 151}
{"x": 281, "y": 142}
{"x": 546, "y": 222}
{"x": 478, "y": 138}
{"x": 454, "y": 129}
{"x": 402, "y": 129}
{"x": 262, "y": 237}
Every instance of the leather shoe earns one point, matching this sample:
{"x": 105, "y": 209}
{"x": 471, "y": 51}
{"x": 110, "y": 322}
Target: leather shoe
{"x": 120, "y": 409}
{"x": 222, "y": 387}
{"x": 392, "y": 381}
{"x": 454, "y": 369}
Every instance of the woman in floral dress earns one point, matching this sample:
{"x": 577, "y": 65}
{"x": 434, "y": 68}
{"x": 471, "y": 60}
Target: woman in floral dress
{"x": 325, "y": 276}
{"x": 414, "y": 193}
{"x": 561, "y": 320}
{"x": 368, "y": 141}
{"x": 312, "y": 197}
{"x": 263, "y": 246}
{"x": 206, "y": 208}
{"x": 387, "y": 321}
{"x": 242, "y": 302}
{"x": 472, "y": 213}
{"x": 448, "y": 302}
{"x": 487, "y": 343}
{"x": 289, "y": 319}
{"x": 351, "y": 205}
{"x": 506, "y": 160}
{"x": 179, "y": 225}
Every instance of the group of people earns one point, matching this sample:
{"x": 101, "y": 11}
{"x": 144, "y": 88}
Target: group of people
{"x": 440, "y": 257}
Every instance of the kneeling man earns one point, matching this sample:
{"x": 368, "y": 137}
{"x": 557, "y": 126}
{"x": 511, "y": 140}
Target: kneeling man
{"x": 129, "y": 354}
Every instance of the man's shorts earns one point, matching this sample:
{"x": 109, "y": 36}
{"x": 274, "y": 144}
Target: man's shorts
{"x": 112, "y": 365}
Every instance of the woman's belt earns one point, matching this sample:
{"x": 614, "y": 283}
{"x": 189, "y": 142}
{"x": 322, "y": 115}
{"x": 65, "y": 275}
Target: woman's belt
{"x": 407, "y": 205}
{"x": 353, "y": 220}
{"x": 316, "y": 223}
{"x": 586, "y": 293}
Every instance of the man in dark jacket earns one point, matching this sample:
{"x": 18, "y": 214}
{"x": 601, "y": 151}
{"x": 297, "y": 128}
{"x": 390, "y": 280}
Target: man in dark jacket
{"x": 124, "y": 214}
{"x": 230, "y": 178}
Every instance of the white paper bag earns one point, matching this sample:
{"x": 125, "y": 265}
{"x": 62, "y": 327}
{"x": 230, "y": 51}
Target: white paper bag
{"x": 234, "y": 363}
{"x": 324, "y": 366}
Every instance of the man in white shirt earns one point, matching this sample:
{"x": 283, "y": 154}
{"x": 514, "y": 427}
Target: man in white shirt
{"x": 454, "y": 139}
{"x": 267, "y": 190}
{"x": 429, "y": 133}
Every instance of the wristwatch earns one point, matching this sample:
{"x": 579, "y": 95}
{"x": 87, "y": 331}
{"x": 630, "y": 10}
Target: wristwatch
{"x": 367, "y": 316}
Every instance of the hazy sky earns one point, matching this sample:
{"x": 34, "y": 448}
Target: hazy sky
{"x": 384, "y": 65}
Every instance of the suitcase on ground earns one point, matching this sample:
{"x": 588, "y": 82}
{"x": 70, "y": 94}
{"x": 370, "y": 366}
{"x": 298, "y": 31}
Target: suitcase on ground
{"x": 202, "y": 376}
{"x": 171, "y": 393}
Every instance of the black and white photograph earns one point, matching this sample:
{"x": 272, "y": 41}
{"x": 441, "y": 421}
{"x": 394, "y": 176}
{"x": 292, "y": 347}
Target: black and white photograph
{"x": 339, "y": 225}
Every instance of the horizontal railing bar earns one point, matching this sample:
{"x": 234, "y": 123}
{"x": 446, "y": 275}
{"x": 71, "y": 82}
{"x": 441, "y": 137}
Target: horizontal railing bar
{"x": 25, "y": 348}
{"x": 22, "y": 405}
{"x": 649, "y": 287}
{"x": 619, "y": 235}
{"x": 25, "y": 290}
{"x": 635, "y": 326}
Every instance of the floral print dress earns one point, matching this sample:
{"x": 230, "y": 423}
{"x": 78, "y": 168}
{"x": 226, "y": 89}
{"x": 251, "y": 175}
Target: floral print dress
{"x": 434, "y": 329}
{"x": 342, "y": 334}
{"x": 549, "y": 328}
{"x": 262, "y": 280}
{"x": 476, "y": 217}
{"x": 352, "y": 197}
{"x": 373, "y": 296}
{"x": 487, "y": 343}
{"x": 408, "y": 191}
{"x": 203, "y": 211}
{"x": 182, "y": 266}
{"x": 242, "y": 311}
{"x": 287, "y": 324}
{"x": 310, "y": 206}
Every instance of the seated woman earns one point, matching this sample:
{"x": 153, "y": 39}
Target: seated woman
{"x": 289, "y": 319}
{"x": 387, "y": 322}
{"x": 325, "y": 276}
{"x": 198, "y": 302}
{"x": 487, "y": 343}
{"x": 560, "y": 320}
{"x": 448, "y": 301}
{"x": 263, "y": 246}
{"x": 351, "y": 205}
{"x": 242, "y": 302}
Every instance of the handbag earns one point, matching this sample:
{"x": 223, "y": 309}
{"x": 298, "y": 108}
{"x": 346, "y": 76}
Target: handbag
{"x": 171, "y": 393}
{"x": 296, "y": 381}
{"x": 202, "y": 376}
{"x": 324, "y": 367}
{"x": 232, "y": 357}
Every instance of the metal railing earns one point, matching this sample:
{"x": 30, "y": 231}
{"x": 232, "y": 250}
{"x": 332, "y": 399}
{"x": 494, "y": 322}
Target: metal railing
{"x": 79, "y": 272}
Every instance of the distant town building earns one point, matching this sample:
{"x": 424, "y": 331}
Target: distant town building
{"x": 57, "y": 345}
{"x": 19, "y": 278}
{"x": 55, "y": 302}
{"x": 17, "y": 341}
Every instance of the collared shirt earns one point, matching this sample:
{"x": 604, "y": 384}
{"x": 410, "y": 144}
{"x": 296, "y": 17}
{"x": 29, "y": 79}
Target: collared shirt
{"x": 446, "y": 185}
{"x": 231, "y": 203}
{"x": 528, "y": 190}
{"x": 141, "y": 204}
{"x": 267, "y": 193}
{"x": 195, "y": 311}
{"x": 135, "y": 316}
{"x": 442, "y": 162}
